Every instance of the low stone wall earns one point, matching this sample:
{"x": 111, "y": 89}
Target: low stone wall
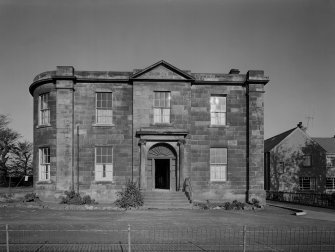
{"x": 310, "y": 199}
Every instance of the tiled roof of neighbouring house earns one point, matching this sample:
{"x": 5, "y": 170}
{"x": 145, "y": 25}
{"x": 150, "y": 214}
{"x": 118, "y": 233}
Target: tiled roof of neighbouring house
{"x": 273, "y": 141}
{"x": 328, "y": 143}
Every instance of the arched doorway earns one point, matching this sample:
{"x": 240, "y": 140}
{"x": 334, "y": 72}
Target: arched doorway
{"x": 161, "y": 168}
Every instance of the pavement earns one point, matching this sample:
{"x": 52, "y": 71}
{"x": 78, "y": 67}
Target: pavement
{"x": 308, "y": 212}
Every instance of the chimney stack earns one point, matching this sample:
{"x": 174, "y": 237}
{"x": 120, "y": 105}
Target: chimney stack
{"x": 299, "y": 125}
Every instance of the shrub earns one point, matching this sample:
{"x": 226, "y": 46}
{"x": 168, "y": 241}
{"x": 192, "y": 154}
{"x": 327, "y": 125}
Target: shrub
{"x": 88, "y": 201}
{"x": 73, "y": 198}
{"x": 255, "y": 202}
{"x": 238, "y": 205}
{"x": 130, "y": 197}
{"x": 7, "y": 197}
{"x": 228, "y": 206}
{"x": 31, "y": 197}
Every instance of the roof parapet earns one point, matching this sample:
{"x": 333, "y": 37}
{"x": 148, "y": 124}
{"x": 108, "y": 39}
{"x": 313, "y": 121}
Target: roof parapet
{"x": 65, "y": 71}
{"x": 257, "y": 76}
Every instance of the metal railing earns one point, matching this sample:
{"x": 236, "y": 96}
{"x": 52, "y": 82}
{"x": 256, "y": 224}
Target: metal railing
{"x": 237, "y": 238}
{"x": 304, "y": 198}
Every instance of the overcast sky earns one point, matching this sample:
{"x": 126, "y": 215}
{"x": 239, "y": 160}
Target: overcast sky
{"x": 292, "y": 41}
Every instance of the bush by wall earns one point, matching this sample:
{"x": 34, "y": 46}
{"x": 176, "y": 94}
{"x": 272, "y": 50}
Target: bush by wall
{"x": 73, "y": 198}
{"x": 31, "y": 197}
{"x": 131, "y": 197}
{"x": 235, "y": 205}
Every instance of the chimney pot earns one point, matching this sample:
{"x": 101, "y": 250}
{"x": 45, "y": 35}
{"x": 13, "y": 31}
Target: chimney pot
{"x": 234, "y": 71}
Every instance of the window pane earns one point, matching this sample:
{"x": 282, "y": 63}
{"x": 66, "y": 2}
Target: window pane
{"x": 168, "y": 98}
{"x": 104, "y": 155}
{"x": 44, "y": 163}
{"x": 307, "y": 183}
{"x": 109, "y": 104}
{"x": 330, "y": 160}
{"x": 166, "y": 115}
{"x": 104, "y": 116}
{"x": 307, "y": 160}
{"x": 99, "y": 96}
{"x": 218, "y": 103}
{"x": 161, "y": 105}
{"x": 44, "y": 101}
{"x": 218, "y": 110}
{"x": 218, "y": 173}
{"x": 330, "y": 183}
{"x": 222, "y": 104}
{"x": 162, "y": 99}
{"x": 156, "y": 115}
{"x": 156, "y": 103}
{"x": 218, "y": 155}
{"x": 109, "y": 96}
{"x": 105, "y": 100}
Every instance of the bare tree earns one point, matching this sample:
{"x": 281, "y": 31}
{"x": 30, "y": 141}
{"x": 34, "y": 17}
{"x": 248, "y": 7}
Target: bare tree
{"x": 4, "y": 121}
{"x": 22, "y": 159}
{"x": 8, "y": 139}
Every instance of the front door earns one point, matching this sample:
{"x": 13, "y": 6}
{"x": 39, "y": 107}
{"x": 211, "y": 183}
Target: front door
{"x": 162, "y": 174}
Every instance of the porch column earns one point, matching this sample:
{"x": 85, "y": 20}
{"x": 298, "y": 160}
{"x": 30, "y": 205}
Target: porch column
{"x": 143, "y": 157}
{"x": 181, "y": 178}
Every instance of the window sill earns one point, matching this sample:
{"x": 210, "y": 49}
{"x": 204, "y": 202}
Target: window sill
{"x": 103, "y": 125}
{"x": 218, "y": 181}
{"x": 218, "y": 126}
{"x": 162, "y": 124}
{"x": 103, "y": 182}
{"x": 43, "y": 126}
{"x": 44, "y": 182}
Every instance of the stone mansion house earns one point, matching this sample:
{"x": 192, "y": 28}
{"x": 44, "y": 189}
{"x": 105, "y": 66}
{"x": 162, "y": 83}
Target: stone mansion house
{"x": 157, "y": 126}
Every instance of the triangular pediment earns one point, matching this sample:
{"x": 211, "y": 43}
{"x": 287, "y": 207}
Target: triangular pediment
{"x": 162, "y": 71}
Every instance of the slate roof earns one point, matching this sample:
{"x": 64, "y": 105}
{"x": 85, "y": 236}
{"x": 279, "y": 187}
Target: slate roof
{"x": 273, "y": 141}
{"x": 328, "y": 143}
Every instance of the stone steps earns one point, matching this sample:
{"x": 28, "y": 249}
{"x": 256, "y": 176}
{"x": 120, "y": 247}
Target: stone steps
{"x": 165, "y": 200}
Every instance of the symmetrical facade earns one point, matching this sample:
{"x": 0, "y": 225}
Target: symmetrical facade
{"x": 157, "y": 126}
{"x": 296, "y": 162}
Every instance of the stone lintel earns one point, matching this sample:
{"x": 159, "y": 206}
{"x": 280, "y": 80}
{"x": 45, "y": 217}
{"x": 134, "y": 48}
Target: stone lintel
{"x": 161, "y": 132}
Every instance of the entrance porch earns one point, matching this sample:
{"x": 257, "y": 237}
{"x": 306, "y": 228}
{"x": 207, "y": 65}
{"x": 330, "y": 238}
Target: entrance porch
{"x": 162, "y": 165}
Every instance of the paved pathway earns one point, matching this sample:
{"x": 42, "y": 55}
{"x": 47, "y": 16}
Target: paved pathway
{"x": 316, "y": 213}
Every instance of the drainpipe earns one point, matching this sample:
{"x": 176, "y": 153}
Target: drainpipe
{"x": 77, "y": 158}
{"x": 72, "y": 171}
{"x": 247, "y": 143}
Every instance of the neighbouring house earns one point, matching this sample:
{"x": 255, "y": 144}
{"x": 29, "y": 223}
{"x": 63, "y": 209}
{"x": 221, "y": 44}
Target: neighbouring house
{"x": 295, "y": 162}
{"x": 94, "y": 130}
